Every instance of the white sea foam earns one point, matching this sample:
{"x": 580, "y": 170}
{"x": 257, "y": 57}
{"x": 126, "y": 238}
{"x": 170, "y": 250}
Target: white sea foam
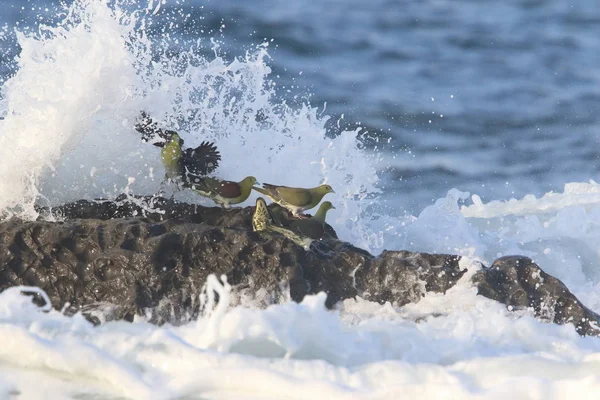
{"x": 454, "y": 345}
{"x": 67, "y": 134}
{"x": 560, "y": 231}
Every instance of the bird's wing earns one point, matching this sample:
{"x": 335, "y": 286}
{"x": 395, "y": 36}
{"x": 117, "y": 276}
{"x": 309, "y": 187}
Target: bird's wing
{"x": 309, "y": 228}
{"x": 229, "y": 189}
{"x": 266, "y": 192}
{"x": 294, "y": 196}
{"x": 215, "y": 187}
{"x": 200, "y": 161}
{"x": 150, "y": 130}
{"x": 279, "y": 215}
{"x": 262, "y": 218}
{"x": 205, "y": 185}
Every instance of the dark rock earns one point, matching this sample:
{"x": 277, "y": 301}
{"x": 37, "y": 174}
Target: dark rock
{"x": 151, "y": 256}
{"x": 520, "y": 283}
{"x": 113, "y": 260}
{"x": 403, "y": 277}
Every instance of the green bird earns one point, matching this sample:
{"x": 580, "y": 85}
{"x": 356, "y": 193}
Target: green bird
{"x": 262, "y": 217}
{"x": 183, "y": 166}
{"x": 303, "y": 231}
{"x": 296, "y": 200}
{"x": 224, "y": 193}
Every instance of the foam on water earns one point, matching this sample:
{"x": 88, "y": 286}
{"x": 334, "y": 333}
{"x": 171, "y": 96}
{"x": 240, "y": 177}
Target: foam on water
{"x": 560, "y": 231}
{"x": 453, "y": 345}
{"x": 67, "y": 134}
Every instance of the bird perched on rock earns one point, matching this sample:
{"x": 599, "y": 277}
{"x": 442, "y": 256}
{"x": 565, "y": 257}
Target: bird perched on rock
{"x": 296, "y": 200}
{"x": 302, "y": 231}
{"x": 183, "y": 166}
{"x": 224, "y": 193}
{"x": 313, "y": 227}
{"x": 262, "y": 218}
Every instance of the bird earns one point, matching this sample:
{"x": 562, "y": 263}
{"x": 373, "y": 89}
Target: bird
{"x": 262, "y": 220}
{"x": 183, "y": 166}
{"x": 262, "y": 217}
{"x": 224, "y": 193}
{"x": 296, "y": 200}
{"x": 313, "y": 227}
{"x": 301, "y": 231}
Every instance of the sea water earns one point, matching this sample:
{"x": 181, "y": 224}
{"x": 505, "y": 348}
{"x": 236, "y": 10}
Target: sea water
{"x": 68, "y": 104}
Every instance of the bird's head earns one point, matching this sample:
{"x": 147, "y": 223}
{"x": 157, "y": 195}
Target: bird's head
{"x": 322, "y": 211}
{"x": 168, "y": 137}
{"x": 326, "y": 206}
{"x": 248, "y": 182}
{"x": 324, "y": 189}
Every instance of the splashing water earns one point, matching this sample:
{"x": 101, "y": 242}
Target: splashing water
{"x": 472, "y": 347}
{"x": 69, "y": 76}
{"x": 67, "y": 134}
{"x": 70, "y": 135}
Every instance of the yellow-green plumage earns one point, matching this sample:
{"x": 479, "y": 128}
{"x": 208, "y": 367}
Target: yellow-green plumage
{"x": 171, "y": 158}
{"x": 182, "y": 165}
{"x": 225, "y": 193}
{"x": 302, "y": 232}
{"x": 313, "y": 227}
{"x": 296, "y": 200}
{"x": 262, "y": 218}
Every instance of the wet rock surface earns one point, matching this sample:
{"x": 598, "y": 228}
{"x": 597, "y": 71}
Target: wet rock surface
{"x": 520, "y": 283}
{"x": 151, "y": 256}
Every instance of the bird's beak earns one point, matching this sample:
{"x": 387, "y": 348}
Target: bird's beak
{"x": 160, "y": 143}
{"x": 332, "y": 191}
{"x": 333, "y": 207}
{"x": 257, "y": 183}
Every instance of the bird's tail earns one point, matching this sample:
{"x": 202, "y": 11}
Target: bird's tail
{"x": 262, "y": 191}
{"x": 296, "y": 237}
{"x": 262, "y": 218}
{"x": 269, "y": 186}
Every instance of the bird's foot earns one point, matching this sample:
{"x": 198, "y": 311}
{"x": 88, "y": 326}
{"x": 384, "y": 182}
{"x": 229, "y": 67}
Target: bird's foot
{"x": 300, "y": 216}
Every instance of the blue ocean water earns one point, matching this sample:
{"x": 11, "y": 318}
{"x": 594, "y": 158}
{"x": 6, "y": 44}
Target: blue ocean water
{"x": 497, "y": 98}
